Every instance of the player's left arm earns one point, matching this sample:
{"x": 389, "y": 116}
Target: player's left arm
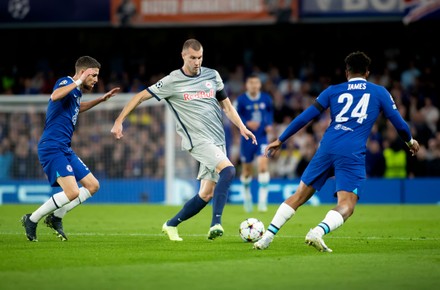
{"x": 295, "y": 125}
{"x": 404, "y": 132}
{"x": 391, "y": 112}
{"x": 84, "y": 106}
{"x": 232, "y": 115}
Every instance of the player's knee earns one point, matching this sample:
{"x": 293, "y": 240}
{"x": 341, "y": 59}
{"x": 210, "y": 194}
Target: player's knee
{"x": 206, "y": 195}
{"x": 346, "y": 210}
{"x": 72, "y": 193}
{"x": 94, "y": 187}
{"x": 228, "y": 172}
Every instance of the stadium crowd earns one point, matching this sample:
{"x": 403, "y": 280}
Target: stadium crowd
{"x": 411, "y": 83}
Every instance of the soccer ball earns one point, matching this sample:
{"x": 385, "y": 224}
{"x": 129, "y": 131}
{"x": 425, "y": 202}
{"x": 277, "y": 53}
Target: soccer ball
{"x": 251, "y": 230}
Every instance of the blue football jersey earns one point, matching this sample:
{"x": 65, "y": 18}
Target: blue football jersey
{"x": 62, "y": 115}
{"x": 259, "y": 109}
{"x": 354, "y": 107}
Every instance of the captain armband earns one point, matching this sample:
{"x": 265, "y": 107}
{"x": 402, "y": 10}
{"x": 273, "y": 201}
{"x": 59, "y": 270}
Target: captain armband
{"x": 221, "y": 95}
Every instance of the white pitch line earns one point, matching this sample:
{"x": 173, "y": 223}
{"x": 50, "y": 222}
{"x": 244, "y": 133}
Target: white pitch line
{"x": 203, "y": 235}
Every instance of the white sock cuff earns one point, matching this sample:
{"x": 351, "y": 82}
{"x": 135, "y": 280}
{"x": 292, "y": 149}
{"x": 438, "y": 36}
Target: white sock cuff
{"x": 286, "y": 210}
{"x": 336, "y": 217}
{"x": 60, "y": 199}
{"x": 283, "y": 214}
{"x": 84, "y": 194}
{"x": 246, "y": 180}
{"x": 264, "y": 177}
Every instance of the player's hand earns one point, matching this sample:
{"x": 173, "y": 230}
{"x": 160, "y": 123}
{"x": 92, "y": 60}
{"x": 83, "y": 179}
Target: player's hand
{"x": 272, "y": 148}
{"x": 110, "y": 94}
{"x": 246, "y": 133}
{"x": 117, "y": 130}
{"x": 414, "y": 148}
{"x": 86, "y": 73}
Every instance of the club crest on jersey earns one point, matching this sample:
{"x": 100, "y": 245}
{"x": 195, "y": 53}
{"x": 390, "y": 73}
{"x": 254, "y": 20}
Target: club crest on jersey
{"x": 208, "y": 85}
{"x": 159, "y": 84}
{"x": 69, "y": 168}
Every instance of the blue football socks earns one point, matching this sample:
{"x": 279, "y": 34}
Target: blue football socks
{"x": 191, "y": 208}
{"x": 221, "y": 193}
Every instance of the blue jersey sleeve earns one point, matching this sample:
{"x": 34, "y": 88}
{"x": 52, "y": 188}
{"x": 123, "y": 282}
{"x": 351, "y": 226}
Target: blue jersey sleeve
{"x": 269, "y": 112}
{"x": 390, "y": 111}
{"x": 305, "y": 117}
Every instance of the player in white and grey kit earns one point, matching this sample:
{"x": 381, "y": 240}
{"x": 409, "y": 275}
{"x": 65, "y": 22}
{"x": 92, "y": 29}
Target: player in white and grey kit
{"x": 196, "y": 97}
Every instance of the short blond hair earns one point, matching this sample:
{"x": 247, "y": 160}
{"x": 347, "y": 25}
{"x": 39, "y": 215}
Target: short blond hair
{"x": 192, "y": 43}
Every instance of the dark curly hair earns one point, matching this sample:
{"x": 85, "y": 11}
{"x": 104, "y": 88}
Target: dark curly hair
{"x": 357, "y": 62}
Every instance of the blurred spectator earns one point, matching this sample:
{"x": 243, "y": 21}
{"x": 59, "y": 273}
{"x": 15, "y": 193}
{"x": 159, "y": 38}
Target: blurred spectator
{"x": 281, "y": 110}
{"x": 431, "y": 115}
{"x": 284, "y": 165}
{"x": 374, "y": 159}
{"x": 409, "y": 76}
{"x": 422, "y": 132}
{"x": 25, "y": 163}
{"x": 6, "y": 158}
{"x": 395, "y": 155}
{"x": 433, "y": 164}
{"x": 307, "y": 149}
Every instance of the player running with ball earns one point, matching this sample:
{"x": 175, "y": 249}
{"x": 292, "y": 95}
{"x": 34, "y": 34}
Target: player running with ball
{"x": 196, "y": 97}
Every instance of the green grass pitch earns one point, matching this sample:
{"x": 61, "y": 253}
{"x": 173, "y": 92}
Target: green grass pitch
{"x": 122, "y": 247}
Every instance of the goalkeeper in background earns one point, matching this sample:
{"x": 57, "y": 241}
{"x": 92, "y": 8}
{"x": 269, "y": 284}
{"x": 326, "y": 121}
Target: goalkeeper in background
{"x": 196, "y": 97}
{"x": 354, "y": 107}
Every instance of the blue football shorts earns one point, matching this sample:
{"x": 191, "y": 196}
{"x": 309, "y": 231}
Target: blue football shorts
{"x": 349, "y": 172}
{"x": 58, "y": 162}
{"x": 249, "y": 151}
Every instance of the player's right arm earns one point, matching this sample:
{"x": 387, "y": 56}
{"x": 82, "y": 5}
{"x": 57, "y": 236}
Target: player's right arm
{"x": 300, "y": 121}
{"x": 135, "y": 101}
{"x": 63, "y": 91}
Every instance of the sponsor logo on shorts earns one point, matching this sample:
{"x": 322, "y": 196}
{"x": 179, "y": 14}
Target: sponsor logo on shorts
{"x": 69, "y": 168}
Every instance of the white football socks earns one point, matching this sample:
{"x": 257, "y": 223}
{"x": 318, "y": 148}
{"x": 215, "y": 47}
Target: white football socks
{"x": 263, "y": 182}
{"x": 283, "y": 214}
{"x": 84, "y": 194}
{"x": 331, "y": 222}
{"x": 247, "y": 195}
{"x": 55, "y": 201}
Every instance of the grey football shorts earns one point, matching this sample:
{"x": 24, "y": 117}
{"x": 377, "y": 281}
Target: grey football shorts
{"x": 209, "y": 156}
